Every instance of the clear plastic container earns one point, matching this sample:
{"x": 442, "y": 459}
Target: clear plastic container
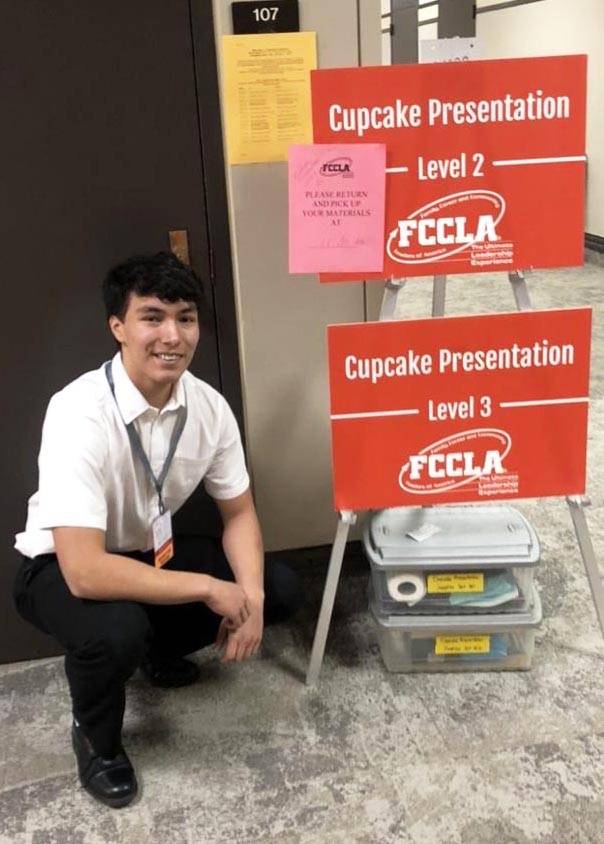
{"x": 503, "y": 642}
{"x": 474, "y": 559}
{"x": 473, "y": 591}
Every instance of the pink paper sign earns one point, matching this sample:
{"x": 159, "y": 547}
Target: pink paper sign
{"x": 336, "y": 207}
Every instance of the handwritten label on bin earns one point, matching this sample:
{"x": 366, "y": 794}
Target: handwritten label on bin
{"x": 456, "y": 645}
{"x": 471, "y": 581}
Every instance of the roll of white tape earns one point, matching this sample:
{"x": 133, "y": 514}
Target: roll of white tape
{"x": 407, "y": 588}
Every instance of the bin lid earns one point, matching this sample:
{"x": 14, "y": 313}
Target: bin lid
{"x": 476, "y": 534}
{"x": 437, "y": 624}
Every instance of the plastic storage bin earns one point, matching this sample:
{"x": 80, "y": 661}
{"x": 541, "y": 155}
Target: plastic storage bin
{"x": 477, "y": 560}
{"x": 503, "y": 642}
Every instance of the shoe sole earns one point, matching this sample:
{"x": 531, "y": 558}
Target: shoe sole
{"x": 115, "y": 803}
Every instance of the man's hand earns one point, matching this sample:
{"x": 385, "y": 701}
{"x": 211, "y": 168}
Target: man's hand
{"x": 228, "y": 600}
{"x": 244, "y": 641}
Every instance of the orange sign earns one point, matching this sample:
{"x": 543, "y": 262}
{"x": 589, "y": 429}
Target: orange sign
{"x": 459, "y": 409}
{"x": 485, "y": 165}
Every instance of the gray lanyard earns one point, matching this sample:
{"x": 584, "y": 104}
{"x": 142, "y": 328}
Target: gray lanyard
{"x": 137, "y": 446}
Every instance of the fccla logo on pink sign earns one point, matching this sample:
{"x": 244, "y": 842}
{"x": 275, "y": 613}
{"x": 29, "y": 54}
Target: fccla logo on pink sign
{"x": 338, "y": 167}
{"x": 455, "y": 461}
{"x": 446, "y": 226}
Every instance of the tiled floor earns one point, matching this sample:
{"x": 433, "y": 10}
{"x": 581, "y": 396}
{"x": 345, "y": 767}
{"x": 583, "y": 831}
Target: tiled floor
{"x": 250, "y": 754}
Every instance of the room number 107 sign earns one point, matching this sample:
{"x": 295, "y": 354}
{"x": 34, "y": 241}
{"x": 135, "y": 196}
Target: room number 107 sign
{"x": 251, "y": 18}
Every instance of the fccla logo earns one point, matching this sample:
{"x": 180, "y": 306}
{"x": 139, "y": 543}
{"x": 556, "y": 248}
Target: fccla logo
{"x": 446, "y": 226}
{"x": 456, "y": 461}
{"x": 338, "y": 167}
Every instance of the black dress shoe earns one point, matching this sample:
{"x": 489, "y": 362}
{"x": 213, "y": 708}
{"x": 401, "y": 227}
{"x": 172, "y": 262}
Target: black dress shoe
{"x": 170, "y": 672}
{"x": 112, "y": 781}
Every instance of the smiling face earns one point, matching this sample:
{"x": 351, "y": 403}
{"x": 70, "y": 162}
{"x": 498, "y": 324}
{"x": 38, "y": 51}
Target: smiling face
{"x": 158, "y": 340}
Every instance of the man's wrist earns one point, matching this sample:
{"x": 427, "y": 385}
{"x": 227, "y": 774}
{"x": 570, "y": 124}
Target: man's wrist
{"x": 205, "y": 587}
{"x": 255, "y": 595}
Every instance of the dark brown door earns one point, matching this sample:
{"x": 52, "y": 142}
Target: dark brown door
{"x": 102, "y": 156}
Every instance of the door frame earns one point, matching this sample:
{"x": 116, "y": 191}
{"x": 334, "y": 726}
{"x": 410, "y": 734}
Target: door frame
{"x": 218, "y": 227}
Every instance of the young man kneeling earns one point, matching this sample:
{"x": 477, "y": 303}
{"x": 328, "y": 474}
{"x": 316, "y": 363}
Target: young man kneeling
{"x": 122, "y": 447}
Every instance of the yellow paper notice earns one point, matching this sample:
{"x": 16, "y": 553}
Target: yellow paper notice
{"x": 454, "y": 645}
{"x": 267, "y": 94}
{"x": 470, "y": 581}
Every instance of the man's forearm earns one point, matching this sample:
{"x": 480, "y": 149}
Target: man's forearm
{"x": 112, "y": 577}
{"x": 242, "y": 544}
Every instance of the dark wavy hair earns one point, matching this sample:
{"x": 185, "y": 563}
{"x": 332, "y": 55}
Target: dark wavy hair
{"x": 161, "y": 275}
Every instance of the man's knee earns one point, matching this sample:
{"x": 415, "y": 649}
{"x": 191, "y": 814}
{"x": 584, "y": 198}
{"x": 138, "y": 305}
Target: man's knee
{"x": 283, "y": 592}
{"x": 120, "y": 642}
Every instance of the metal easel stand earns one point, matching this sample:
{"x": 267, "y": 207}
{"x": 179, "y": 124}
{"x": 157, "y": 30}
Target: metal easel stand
{"x": 390, "y": 298}
{"x": 346, "y": 518}
{"x": 576, "y": 503}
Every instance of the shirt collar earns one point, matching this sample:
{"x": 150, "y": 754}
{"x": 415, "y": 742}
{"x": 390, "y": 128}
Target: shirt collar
{"x": 131, "y": 402}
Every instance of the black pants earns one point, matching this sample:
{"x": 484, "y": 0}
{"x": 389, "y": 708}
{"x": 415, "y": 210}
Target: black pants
{"x": 106, "y": 641}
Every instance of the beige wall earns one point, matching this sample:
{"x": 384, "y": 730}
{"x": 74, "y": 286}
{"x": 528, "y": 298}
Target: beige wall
{"x": 282, "y": 318}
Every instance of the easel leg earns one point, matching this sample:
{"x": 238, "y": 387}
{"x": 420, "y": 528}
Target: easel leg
{"x": 439, "y": 291}
{"x": 520, "y": 290}
{"x": 346, "y": 519}
{"x": 575, "y": 503}
{"x": 577, "y": 512}
{"x": 389, "y": 299}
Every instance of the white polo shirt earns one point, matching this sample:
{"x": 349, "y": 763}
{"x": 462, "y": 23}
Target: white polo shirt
{"x": 89, "y": 477}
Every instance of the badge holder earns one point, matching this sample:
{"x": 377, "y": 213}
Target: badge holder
{"x": 163, "y": 543}
{"x": 346, "y": 518}
{"x": 161, "y": 526}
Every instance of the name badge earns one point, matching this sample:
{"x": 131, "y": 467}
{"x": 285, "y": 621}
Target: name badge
{"x": 163, "y": 544}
